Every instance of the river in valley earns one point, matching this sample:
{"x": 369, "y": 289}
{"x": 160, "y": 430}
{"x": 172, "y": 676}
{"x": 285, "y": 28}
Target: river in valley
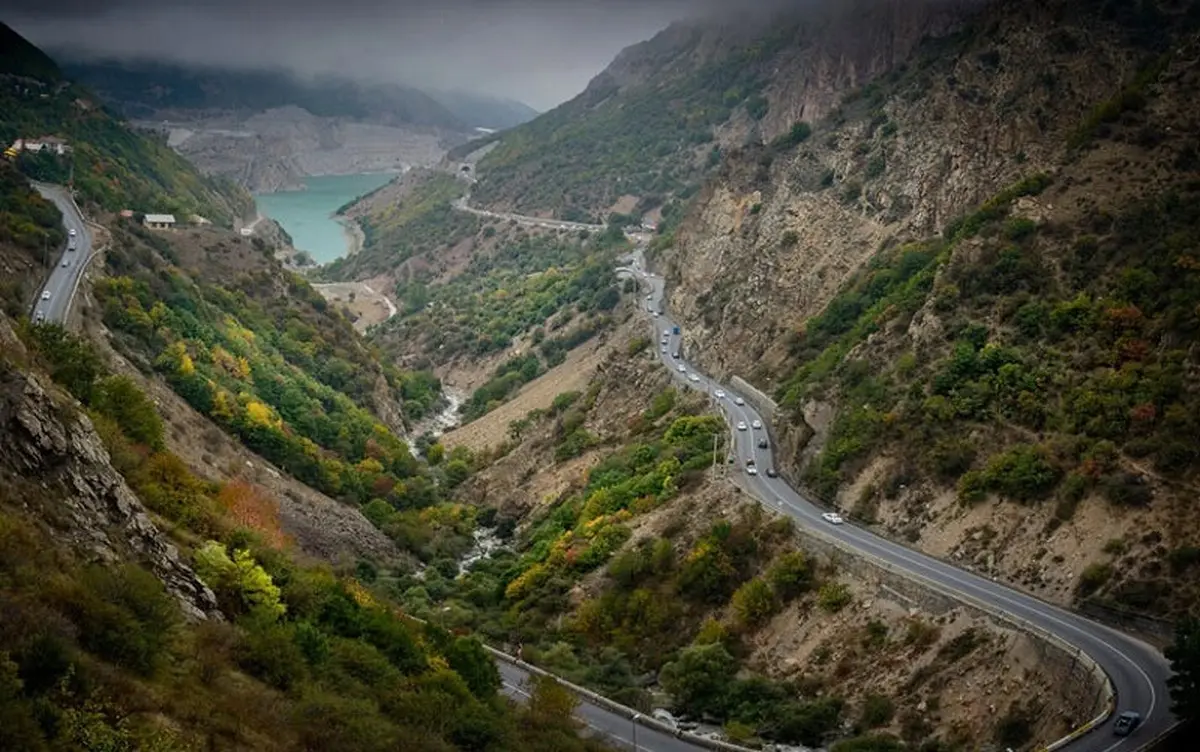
{"x": 307, "y": 215}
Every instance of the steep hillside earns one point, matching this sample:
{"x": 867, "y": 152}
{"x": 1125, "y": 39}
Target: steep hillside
{"x": 636, "y": 567}
{"x": 649, "y": 128}
{"x": 257, "y": 349}
{"x": 112, "y": 166}
{"x": 118, "y": 636}
{"x": 975, "y": 274}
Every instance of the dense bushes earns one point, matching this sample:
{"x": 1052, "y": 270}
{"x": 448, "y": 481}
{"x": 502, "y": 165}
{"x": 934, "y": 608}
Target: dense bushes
{"x": 113, "y": 166}
{"x": 530, "y": 283}
{"x": 283, "y": 377}
{"x": 98, "y": 656}
{"x": 579, "y": 158}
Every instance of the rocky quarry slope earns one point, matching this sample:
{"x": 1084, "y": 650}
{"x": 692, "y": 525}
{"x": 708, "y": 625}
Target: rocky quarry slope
{"x": 883, "y": 273}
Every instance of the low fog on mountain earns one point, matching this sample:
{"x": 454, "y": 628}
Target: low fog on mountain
{"x": 536, "y": 51}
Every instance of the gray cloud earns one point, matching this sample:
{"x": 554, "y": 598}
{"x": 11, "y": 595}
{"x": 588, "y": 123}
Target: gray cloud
{"x": 538, "y": 51}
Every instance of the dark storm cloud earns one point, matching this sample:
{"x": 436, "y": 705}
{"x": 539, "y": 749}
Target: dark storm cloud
{"x": 538, "y": 51}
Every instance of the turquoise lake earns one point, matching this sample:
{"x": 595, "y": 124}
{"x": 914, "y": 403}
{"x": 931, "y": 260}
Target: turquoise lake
{"x": 307, "y": 215}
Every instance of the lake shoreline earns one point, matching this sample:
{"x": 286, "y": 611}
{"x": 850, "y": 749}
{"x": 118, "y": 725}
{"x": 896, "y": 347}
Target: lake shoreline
{"x": 310, "y": 217}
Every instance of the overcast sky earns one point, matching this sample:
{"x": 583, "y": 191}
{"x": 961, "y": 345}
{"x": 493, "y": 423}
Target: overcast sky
{"x": 541, "y": 52}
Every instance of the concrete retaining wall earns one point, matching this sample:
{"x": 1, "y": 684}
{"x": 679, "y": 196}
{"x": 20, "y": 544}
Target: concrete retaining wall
{"x": 765, "y": 406}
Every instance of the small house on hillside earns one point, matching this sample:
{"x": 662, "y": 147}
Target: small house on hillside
{"x": 52, "y": 144}
{"x": 159, "y": 221}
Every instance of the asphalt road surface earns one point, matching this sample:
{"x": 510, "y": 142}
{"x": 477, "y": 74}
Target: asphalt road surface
{"x": 617, "y": 730}
{"x": 1138, "y": 671}
{"x": 63, "y": 280}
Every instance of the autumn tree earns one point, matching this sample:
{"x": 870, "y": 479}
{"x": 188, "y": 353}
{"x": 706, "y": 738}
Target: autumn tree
{"x": 251, "y": 506}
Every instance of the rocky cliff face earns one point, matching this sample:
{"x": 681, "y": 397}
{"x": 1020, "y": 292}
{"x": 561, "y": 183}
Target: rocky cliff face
{"x": 1094, "y": 99}
{"x": 54, "y": 465}
{"x": 777, "y": 233}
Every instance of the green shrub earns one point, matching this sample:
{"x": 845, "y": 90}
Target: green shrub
{"x": 125, "y": 616}
{"x": 877, "y": 710}
{"x": 790, "y": 575}
{"x": 1094, "y": 577}
{"x": 834, "y": 596}
{"x": 754, "y": 602}
{"x": 241, "y": 584}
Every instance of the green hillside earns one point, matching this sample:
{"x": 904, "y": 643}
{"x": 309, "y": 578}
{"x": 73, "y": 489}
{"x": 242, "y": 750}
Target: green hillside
{"x": 651, "y": 137}
{"x": 113, "y": 166}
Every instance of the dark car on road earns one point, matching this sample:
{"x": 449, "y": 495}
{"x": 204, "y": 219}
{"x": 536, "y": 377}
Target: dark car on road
{"x": 771, "y": 473}
{"x": 1126, "y": 722}
{"x": 762, "y": 444}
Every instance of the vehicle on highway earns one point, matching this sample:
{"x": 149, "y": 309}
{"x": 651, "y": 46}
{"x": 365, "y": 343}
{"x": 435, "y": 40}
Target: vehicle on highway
{"x": 832, "y": 518}
{"x": 40, "y": 317}
{"x": 741, "y": 426}
{"x": 649, "y": 298}
{"x": 739, "y": 401}
{"x": 66, "y": 262}
{"x": 664, "y": 348}
{"x": 667, "y": 333}
{"x": 772, "y": 472}
{"x": 71, "y": 246}
{"x": 762, "y": 444}
{"x": 675, "y": 355}
{"x": 719, "y": 394}
{"x": 752, "y": 470}
{"x": 656, "y": 314}
{"x": 756, "y": 425}
{"x": 1126, "y": 722}
{"x": 750, "y": 462}
{"x": 46, "y": 295}
{"x": 681, "y": 368}
{"x": 72, "y": 232}
{"x": 693, "y": 378}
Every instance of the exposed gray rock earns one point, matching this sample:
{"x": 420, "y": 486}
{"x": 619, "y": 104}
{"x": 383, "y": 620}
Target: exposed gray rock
{"x": 46, "y": 440}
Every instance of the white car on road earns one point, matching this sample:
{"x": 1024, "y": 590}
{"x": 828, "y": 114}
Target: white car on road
{"x": 46, "y": 295}
{"x": 693, "y": 378}
{"x": 756, "y": 425}
{"x": 719, "y": 394}
{"x": 752, "y": 470}
{"x": 681, "y": 368}
{"x": 741, "y": 426}
{"x": 832, "y": 518}
{"x": 739, "y": 401}
{"x": 72, "y": 232}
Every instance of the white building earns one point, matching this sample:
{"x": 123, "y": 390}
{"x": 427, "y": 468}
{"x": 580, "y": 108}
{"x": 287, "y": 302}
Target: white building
{"x": 53, "y": 144}
{"x": 159, "y": 221}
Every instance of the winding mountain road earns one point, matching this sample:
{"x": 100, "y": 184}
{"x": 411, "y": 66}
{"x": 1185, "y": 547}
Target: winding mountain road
{"x": 1138, "y": 672}
{"x": 55, "y": 297}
